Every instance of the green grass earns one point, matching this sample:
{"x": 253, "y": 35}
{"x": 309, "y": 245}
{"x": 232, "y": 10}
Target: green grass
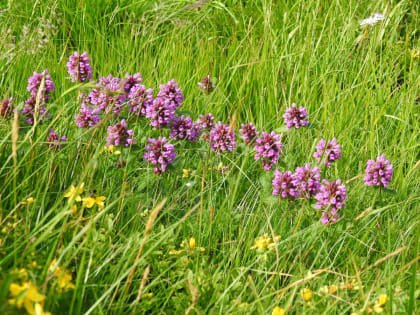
{"x": 359, "y": 86}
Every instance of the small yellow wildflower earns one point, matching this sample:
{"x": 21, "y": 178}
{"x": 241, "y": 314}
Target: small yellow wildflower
{"x": 185, "y": 173}
{"x": 26, "y": 295}
{"x": 174, "y": 252}
{"x": 148, "y": 295}
{"x": 383, "y": 298}
{"x": 28, "y": 201}
{"x": 264, "y": 242}
{"x": 415, "y": 53}
{"x": 74, "y": 209}
{"x": 379, "y": 303}
{"x": 306, "y": 294}
{"x": 22, "y": 274}
{"x": 333, "y": 289}
{"x": 192, "y": 243}
{"x": 118, "y": 152}
{"x": 89, "y": 202}
{"x": 278, "y": 311}
{"x": 74, "y": 193}
{"x": 63, "y": 277}
{"x": 324, "y": 290}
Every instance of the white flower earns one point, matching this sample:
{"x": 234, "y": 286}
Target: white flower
{"x": 372, "y": 20}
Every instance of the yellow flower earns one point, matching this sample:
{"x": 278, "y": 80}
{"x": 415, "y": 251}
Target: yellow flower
{"x": 39, "y": 310}
{"x": 382, "y": 299}
{"x": 74, "y": 209}
{"x": 306, "y": 294}
{"x": 21, "y": 274}
{"x": 118, "y": 152}
{"x": 378, "y": 309}
{"x": 28, "y": 201}
{"x": 333, "y": 289}
{"x": 415, "y": 53}
{"x": 264, "y": 242}
{"x": 185, "y": 173}
{"x": 89, "y": 202}
{"x": 148, "y": 295}
{"x": 324, "y": 290}
{"x": 278, "y": 311}
{"x": 192, "y": 243}
{"x": 174, "y": 252}
{"x": 25, "y": 295}
{"x": 63, "y": 277}
{"x": 74, "y": 193}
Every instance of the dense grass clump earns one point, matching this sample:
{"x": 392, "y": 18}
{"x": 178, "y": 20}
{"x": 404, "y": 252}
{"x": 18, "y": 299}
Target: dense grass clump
{"x": 221, "y": 157}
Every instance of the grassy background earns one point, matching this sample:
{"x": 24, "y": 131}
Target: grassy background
{"x": 359, "y": 86}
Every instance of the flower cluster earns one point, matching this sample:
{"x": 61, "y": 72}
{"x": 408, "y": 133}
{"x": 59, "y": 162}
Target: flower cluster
{"x": 39, "y": 82}
{"x": 27, "y": 295}
{"x": 331, "y": 198}
{"x": 297, "y": 117}
{"x": 222, "y": 138}
{"x": 79, "y": 67}
{"x": 107, "y": 95}
{"x": 206, "y": 85}
{"x": 249, "y": 133}
{"x": 183, "y": 128}
{"x": 306, "y": 180}
{"x": 268, "y": 149}
{"x": 265, "y": 242}
{"x": 171, "y": 93}
{"x": 372, "y": 20}
{"x": 329, "y": 153}
{"x": 62, "y": 276}
{"x": 120, "y": 135}
{"x": 161, "y": 112}
{"x": 379, "y": 172}
{"x": 87, "y": 117}
{"x": 159, "y": 152}
{"x": 138, "y": 99}
{"x": 54, "y": 141}
{"x": 283, "y": 185}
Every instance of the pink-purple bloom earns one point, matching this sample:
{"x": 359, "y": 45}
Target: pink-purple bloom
{"x": 327, "y": 154}
{"x": 131, "y": 80}
{"x": 120, "y": 135}
{"x": 54, "y": 140}
{"x": 206, "y": 85}
{"x": 171, "y": 93}
{"x": 79, "y": 67}
{"x": 206, "y": 122}
{"x": 379, "y": 172}
{"x": 297, "y": 117}
{"x": 138, "y": 99}
{"x": 29, "y": 110}
{"x": 34, "y": 83}
{"x": 249, "y": 133}
{"x": 268, "y": 148}
{"x": 306, "y": 179}
{"x": 222, "y": 138}
{"x": 108, "y": 94}
{"x": 161, "y": 112}
{"x": 183, "y": 128}
{"x": 159, "y": 152}
{"x": 331, "y": 197}
{"x": 284, "y": 185}
{"x": 87, "y": 117}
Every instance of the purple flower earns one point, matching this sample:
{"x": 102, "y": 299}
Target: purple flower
{"x": 29, "y": 110}
{"x": 87, "y": 117}
{"x": 329, "y": 154}
{"x": 79, "y": 67}
{"x": 284, "y": 185}
{"x": 161, "y": 112}
{"x": 131, "y": 81}
{"x": 295, "y": 116}
{"x": 331, "y": 197}
{"x": 139, "y": 99}
{"x": 34, "y": 84}
{"x": 206, "y": 85}
{"x": 172, "y": 94}
{"x": 108, "y": 94}
{"x": 183, "y": 128}
{"x": 222, "y": 138}
{"x": 379, "y": 172}
{"x": 268, "y": 148}
{"x": 206, "y": 122}
{"x": 54, "y": 141}
{"x": 6, "y": 108}
{"x": 159, "y": 152}
{"x": 306, "y": 179}
{"x": 248, "y": 132}
{"x": 119, "y": 135}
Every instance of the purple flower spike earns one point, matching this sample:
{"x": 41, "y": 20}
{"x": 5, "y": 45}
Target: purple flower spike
{"x": 206, "y": 122}
{"x": 79, "y": 67}
{"x": 297, "y": 117}
{"x": 283, "y": 184}
{"x": 131, "y": 81}
{"x": 29, "y": 110}
{"x": 222, "y": 138}
{"x": 249, "y": 133}
{"x": 379, "y": 172}
{"x": 87, "y": 117}
{"x": 268, "y": 149}
{"x": 171, "y": 93}
{"x": 119, "y": 135}
{"x": 306, "y": 179}
{"x": 206, "y": 85}
{"x": 161, "y": 112}
{"x": 329, "y": 154}
{"x": 331, "y": 197}
{"x": 159, "y": 152}
{"x": 139, "y": 99}
{"x": 34, "y": 84}
{"x": 6, "y": 108}
{"x": 183, "y": 128}
{"x": 54, "y": 141}
{"x": 108, "y": 95}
